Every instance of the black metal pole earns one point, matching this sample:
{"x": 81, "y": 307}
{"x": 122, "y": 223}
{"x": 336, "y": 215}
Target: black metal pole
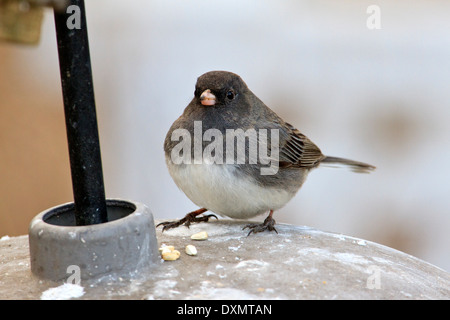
{"x": 80, "y": 114}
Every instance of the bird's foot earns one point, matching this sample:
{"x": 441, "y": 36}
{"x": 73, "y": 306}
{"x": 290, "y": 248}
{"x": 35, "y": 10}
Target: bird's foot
{"x": 268, "y": 224}
{"x": 191, "y": 217}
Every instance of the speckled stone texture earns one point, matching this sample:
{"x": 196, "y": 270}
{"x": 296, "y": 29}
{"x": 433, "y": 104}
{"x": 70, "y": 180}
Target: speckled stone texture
{"x": 297, "y": 263}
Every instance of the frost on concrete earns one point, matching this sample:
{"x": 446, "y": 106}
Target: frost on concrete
{"x": 64, "y": 292}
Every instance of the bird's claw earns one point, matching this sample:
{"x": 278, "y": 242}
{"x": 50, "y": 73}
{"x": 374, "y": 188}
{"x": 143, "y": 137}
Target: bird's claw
{"x": 268, "y": 224}
{"x": 187, "y": 220}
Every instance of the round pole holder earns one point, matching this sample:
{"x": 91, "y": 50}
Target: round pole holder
{"x": 124, "y": 245}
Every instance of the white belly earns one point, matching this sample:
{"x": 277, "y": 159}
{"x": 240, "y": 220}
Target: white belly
{"x": 216, "y": 188}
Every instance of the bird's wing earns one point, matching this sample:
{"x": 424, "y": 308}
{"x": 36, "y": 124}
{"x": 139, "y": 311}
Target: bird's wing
{"x": 296, "y": 150}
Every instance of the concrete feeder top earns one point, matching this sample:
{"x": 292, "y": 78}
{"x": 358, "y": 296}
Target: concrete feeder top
{"x": 297, "y": 263}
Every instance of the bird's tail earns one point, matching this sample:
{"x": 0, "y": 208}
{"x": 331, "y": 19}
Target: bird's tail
{"x": 355, "y": 166}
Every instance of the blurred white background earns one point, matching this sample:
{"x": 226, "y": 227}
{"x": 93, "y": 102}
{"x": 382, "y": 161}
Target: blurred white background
{"x": 378, "y": 96}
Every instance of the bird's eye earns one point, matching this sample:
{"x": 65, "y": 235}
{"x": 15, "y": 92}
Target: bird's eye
{"x": 230, "y": 95}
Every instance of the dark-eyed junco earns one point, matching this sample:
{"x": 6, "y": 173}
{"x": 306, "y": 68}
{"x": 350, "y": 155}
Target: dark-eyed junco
{"x": 232, "y": 155}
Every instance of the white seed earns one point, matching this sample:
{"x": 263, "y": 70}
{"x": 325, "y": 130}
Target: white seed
{"x": 169, "y": 253}
{"x": 191, "y": 250}
{"x": 171, "y": 256}
{"x": 166, "y": 248}
{"x": 200, "y": 236}
{"x": 176, "y": 252}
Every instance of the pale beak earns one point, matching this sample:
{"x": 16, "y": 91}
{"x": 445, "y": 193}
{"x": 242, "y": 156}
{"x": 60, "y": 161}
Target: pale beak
{"x": 207, "y": 98}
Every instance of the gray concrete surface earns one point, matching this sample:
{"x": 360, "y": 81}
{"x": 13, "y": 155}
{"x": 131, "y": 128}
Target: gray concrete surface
{"x": 297, "y": 263}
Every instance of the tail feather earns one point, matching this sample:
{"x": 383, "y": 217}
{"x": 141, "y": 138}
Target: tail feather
{"x": 355, "y": 166}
